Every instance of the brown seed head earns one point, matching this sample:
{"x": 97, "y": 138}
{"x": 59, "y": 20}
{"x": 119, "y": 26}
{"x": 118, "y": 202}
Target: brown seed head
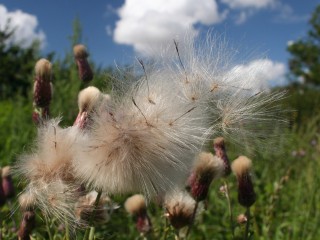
{"x": 136, "y": 205}
{"x": 85, "y": 206}
{"x": 242, "y": 165}
{"x": 80, "y": 51}
{"x": 43, "y": 70}
{"x": 7, "y": 183}
{"x": 6, "y": 171}
{"x": 206, "y": 168}
{"x": 242, "y": 219}
{"x": 180, "y": 207}
{"x": 220, "y": 151}
{"x": 241, "y": 168}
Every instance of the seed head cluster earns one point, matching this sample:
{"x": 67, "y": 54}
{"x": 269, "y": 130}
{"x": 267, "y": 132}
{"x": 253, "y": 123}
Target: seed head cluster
{"x": 144, "y": 136}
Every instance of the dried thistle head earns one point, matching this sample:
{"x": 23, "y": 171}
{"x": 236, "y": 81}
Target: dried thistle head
{"x": 220, "y": 151}
{"x": 180, "y": 208}
{"x": 7, "y": 182}
{"x": 42, "y": 89}
{"x": 141, "y": 146}
{"x": 136, "y": 206}
{"x": 206, "y": 168}
{"x": 241, "y": 167}
{"x": 81, "y": 54}
{"x": 85, "y": 205}
{"x": 88, "y": 99}
{"x": 48, "y": 171}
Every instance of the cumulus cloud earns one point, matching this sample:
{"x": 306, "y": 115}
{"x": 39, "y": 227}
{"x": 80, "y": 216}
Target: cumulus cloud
{"x": 258, "y": 4}
{"x": 25, "y": 26}
{"x": 264, "y": 73}
{"x": 246, "y": 8}
{"x": 148, "y": 24}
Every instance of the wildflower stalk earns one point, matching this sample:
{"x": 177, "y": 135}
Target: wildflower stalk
{"x": 91, "y": 234}
{"x": 229, "y": 208}
{"x": 193, "y": 218}
{"x": 67, "y": 229}
{"x": 246, "y": 233}
{"x": 88, "y": 230}
{"x": 166, "y": 229}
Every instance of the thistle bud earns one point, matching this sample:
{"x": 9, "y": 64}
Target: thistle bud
{"x": 242, "y": 219}
{"x": 26, "y": 226}
{"x": 206, "y": 168}
{"x": 7, "y": 183}
{"x": 180, "y": 209}
{"x": 87, "y": 100}
{"x": 136, "y": 206}
{"x": 81, "y": 54}
{"x": 2, "y": 195}
{"x": 42, "y": 89}
{"x": 241, "y": 167}
{"x": 220, "y": 151}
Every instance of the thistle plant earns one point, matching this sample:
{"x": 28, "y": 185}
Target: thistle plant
{"x": 246, "y": 194}
{"x": 42, "y": 90}
{"x": 7, "y": 183}
{"x": 143, "y": 137}
{"x": 136, "y": 207}
{"x": 180, "y": 210}
{"x": 84, "y": 69}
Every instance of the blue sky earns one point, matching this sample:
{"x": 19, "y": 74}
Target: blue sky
{"x": 116, "y": 31}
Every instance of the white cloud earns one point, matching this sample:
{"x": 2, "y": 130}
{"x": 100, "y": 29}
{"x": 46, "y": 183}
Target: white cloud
{"x": 149, "y": 24}
{"x": 260, "y": 74}
{"x": 258, "y": 4}
{"x": 25, "y": 25}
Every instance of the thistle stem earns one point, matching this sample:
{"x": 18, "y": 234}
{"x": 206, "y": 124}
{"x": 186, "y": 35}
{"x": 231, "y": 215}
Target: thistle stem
{"x": 246, "y": 233}
{"x": 193, "y": 218}
{"x": 93, "y": 214}
{"x": 91, "y": 235}
{"x": 166, "y": 228}
{"x": 229, "y": 208}
{"x": 67, "y": 229}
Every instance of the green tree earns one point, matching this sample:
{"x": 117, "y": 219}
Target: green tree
{"x": 305, "y": 53}
{"x": 17, "y": 65}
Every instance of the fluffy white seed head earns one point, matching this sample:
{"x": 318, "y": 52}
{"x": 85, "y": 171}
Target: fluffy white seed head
{"x": 135, "y": 204}
{"x": 242, "y": 165}
{"x": 146, "y": 138}
{"x": 88, "y": 98}
{"x": 49, "y": 173}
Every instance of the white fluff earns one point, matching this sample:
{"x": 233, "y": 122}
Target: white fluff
{"x": 48, "y": 171}
{"x": 145, "y": 141}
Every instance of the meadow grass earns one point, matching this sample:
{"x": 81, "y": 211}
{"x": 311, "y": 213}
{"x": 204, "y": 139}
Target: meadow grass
{"x": 286, "y": 181}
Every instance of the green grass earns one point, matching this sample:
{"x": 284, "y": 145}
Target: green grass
{"x": 287, "y": 205}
